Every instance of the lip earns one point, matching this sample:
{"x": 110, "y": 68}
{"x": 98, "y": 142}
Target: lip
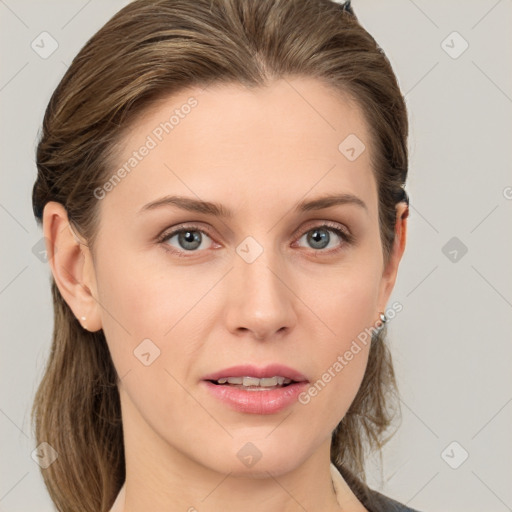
{"x": 248, "y": 370}
{"x": 268, "y": 401}
{"x": 256, "y": 402}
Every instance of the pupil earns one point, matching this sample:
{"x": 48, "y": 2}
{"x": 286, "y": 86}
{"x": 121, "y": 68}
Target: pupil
{"x": 190, "y": 237}
{"x": 318, "y": 235}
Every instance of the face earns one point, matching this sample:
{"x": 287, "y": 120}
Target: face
{"x": 273, "y": 283}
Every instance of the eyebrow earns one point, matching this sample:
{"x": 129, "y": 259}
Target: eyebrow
{"x": 218, "y": 210}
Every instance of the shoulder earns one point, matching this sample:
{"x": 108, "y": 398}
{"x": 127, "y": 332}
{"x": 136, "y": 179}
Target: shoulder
{"x": 373, "y": 501}
{"x": 378, "y": 502}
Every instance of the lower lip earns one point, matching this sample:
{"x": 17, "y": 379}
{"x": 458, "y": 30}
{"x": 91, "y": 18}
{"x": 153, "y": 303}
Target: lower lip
{"x": 257, "y": 402}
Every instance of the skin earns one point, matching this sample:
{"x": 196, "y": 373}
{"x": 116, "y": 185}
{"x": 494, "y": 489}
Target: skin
{"x": 258, "y": 152}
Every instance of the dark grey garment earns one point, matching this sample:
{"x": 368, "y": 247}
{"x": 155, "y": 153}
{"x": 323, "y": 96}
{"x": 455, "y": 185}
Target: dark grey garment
{"x": 372, "y": 500}
{"x": 377, "y": 502}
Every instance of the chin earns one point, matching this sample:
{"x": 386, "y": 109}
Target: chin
{"x": 257, "y": 459}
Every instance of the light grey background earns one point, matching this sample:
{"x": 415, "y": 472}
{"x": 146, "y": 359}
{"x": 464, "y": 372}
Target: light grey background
{"x": 451, "y": 342}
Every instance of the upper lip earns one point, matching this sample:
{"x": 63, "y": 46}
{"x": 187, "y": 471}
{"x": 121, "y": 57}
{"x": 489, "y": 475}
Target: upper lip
{"x": 260, "y": 372}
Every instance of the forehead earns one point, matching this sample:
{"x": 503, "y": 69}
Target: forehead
{"x": 237, "y": 145}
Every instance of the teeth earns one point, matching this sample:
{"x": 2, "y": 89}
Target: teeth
{"x": 253, "y": 381}
{"x": 250, "y": 381}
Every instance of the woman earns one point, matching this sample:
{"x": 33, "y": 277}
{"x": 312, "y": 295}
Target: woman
{"x": 220, "y": 185}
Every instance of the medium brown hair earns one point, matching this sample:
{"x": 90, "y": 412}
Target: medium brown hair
{"x": 149, "y": 50}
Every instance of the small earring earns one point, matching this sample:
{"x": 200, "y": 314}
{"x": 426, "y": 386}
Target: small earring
{"x": 383, "y": 319}
{"x": 83, "y": 322}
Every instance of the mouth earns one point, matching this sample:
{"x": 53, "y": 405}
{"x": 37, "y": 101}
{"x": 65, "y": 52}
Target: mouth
{"x": 250, "y": 376}
{"x": 256, "y": 390}
{"x": 254, "y": 383}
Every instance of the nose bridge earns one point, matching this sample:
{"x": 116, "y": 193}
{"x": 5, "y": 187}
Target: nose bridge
{"x": 255, "y": 267}
{"x": 260, "y": 300}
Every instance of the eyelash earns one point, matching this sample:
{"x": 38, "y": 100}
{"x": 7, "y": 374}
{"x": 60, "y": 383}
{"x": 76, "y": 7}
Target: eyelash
{"x": 347, "y": 238}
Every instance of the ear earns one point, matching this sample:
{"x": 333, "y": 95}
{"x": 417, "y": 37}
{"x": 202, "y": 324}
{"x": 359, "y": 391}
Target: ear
{"x": 71, "y": 265}
{"x": 390, "y": 271}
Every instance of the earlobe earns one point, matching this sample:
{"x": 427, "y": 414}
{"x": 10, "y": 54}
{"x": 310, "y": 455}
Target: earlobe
{"x": 71, "y": 265}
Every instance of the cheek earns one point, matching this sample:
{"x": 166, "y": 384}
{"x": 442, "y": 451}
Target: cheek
{"x": 347, "y": 309}
{"x": 340, "y": 368}
{"x": 151, "y": 318}
{"x": 141, "y": 321}
{"x": 347, "y": 302}
{"x": 132, "y": 309}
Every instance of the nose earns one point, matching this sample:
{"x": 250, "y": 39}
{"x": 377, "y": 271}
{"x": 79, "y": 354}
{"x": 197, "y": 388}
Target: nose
{"x": 260, "y": 298}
